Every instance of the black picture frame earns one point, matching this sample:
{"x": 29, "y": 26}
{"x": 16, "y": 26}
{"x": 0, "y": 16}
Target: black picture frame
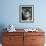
{"x": 26, "y": 13}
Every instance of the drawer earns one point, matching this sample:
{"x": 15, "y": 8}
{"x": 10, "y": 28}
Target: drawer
{"x": 33, "y": 39}
{"x": 9, "y": 45}
{"x": 13, "y": 33}
{"x": 12, "y": 44}
{"x": 34, "y": 33}
{"x": 27, "y": 37}
{"x": 37, "y": 39}
{"x": 12, "y": 39}
{"x": 37, "y": 44}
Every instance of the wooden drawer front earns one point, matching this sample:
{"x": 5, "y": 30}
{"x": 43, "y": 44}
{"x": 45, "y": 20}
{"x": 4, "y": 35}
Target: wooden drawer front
{"x": 12, "y": 39}
{"x": 13, "y": 33}
{"x": 5, "y": 39}
{"x": 37, "y": 39}
{"x": 12, "y": 44}
{"x": 33, "y": 33}
{"x": 33, "y": 40}
{"x": 27, "y": 41}
{"x": 8, "y": 45}
{"x": 37, "y": 45}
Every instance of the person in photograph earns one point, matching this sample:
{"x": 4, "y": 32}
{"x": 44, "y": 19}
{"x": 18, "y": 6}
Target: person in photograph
{"x": 26, "y": 14}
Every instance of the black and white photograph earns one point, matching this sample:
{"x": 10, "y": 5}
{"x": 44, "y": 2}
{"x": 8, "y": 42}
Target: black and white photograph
{"x": 26, "y": 13}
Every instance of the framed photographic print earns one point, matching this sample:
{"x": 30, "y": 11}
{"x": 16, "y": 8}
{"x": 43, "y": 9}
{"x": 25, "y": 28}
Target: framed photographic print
{"x": 26, "y": 13}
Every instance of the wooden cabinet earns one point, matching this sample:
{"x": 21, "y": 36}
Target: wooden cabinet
{"x": 23, "y": 39}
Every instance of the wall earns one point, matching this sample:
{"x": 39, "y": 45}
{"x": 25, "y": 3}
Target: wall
{"x": 10, "y": 13}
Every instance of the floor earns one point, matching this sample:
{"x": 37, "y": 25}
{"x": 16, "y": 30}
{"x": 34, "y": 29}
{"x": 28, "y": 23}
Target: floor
{"x": 0, "y": 44}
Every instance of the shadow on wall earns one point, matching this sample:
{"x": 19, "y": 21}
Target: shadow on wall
{"x": 2, "y": 26}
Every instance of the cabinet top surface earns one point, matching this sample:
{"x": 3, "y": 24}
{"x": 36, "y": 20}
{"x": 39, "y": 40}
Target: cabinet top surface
{"x": 22, "y": 30}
